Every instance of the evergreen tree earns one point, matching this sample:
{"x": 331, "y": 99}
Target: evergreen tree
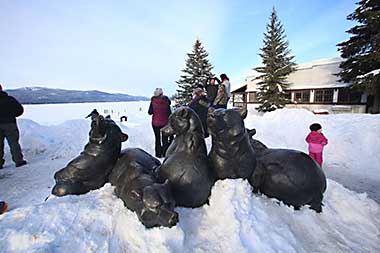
{"x": 362, "y": 51}
{"x": 197, "y": 72}
{"x": 277, "y": 65}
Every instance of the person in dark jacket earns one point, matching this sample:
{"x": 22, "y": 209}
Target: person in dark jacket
{"x": 160, "y": 110}
{"x": 212, "y": 89}
{"x": 10, "y": 108}
{"x": 200, "y": 105}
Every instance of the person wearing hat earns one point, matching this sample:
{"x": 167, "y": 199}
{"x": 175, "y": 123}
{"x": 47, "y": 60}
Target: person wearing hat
{"x": 316, "y": 141}
{"x": 224, "y": 92}
{"x": 200, "y": 105}
{"x": 10, "y": 108}
{"x": 160, "y": 110}
{"x": 212, "y": 89}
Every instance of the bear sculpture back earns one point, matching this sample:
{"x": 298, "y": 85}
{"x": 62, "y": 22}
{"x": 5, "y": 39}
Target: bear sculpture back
{"x": 90, "y": 170}
{"x": 288, "y": 175}
{"x": 134, "y": 181}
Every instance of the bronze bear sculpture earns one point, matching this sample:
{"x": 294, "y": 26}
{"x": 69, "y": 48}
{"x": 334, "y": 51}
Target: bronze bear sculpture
{"x": 288, "y": 175}
{"x": 185, "y": 164}
{"x": 231, "y": 155}
{"x": 134, "y": 181}
{"x": 90, "y": 170}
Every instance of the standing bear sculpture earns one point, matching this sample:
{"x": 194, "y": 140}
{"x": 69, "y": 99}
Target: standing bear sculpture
{"x": 90, "y": 170}
{"x": 134, "y": 181}
{"x": 185, "y": 164}
{"x": 231, "y": 155}
{"x": 288, "y": 175}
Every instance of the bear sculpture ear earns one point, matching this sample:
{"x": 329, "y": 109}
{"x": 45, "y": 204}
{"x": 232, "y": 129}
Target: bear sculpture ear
{"x": 183, "y": 112}
{"x": 243, "y": 112}
{"x": 251, "y": 132}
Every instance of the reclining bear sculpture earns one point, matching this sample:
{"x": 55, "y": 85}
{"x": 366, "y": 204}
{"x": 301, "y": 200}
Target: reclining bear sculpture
{"x": 133, "y": 176}
{"x": 288, "y": 175}
{"x": 185, "y": 164}
{"x": 231, "y": 155}
{"x": 90, "y": 170}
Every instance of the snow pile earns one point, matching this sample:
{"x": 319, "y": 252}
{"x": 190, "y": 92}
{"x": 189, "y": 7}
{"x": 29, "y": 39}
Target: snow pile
{"x": 236, "y": 219}
{"x": 354, "y": 142}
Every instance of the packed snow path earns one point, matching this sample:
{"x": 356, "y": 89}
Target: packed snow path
{"x": 235, "y": 220}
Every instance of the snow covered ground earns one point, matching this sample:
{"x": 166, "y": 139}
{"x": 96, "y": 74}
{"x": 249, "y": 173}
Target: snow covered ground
{"x": 235, "y": 221}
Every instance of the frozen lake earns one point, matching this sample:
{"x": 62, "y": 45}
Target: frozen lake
{"x": 52, "y": 114}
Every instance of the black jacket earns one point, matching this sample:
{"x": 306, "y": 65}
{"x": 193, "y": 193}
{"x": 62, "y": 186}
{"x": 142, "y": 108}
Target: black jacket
{"x": 212, "y": 91}
{"x": 10, "y": 108}
{"x": 200, "y": 105}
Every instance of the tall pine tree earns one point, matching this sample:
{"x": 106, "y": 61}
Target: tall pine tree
{"x": 362, "y": 51}
{"x": 197, "y": 72}
{"x": 277, "y": 65}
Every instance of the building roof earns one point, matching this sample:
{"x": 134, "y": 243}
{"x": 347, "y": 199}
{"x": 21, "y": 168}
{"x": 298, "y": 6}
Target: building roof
{"x": 316, "y": 74}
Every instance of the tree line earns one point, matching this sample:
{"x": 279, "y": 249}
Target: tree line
{"x": 360, "y": 66}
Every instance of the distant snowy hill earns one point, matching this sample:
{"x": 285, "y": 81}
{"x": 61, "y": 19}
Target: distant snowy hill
{"x": 40, "y": 95}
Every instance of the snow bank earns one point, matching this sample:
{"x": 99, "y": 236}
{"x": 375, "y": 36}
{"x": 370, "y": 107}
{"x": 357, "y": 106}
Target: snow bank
{"x": 235, "y": 221}
{"x": 354, "y": 139}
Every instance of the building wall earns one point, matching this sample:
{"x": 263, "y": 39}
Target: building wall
{"x": 320, "y": 88}
{"x": 318, "y": 108}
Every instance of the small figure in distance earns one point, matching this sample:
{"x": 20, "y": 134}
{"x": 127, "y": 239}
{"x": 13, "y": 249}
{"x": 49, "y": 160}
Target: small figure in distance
{"x": 3, "y": 207}
{"x": 160, "y": 110}
{"x": 10, "y": 108}
{"x": 316, "y": 141}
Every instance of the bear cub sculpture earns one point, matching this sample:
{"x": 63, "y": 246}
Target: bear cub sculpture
{"x": 231, "y": 155}
{"x": 90, "y": 170}
{"x": 134, "y": 181}
{"x": 185, "y": 164}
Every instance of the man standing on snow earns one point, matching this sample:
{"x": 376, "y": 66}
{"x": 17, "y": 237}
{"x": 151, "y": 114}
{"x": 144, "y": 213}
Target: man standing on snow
{"x": 10, "y": 108}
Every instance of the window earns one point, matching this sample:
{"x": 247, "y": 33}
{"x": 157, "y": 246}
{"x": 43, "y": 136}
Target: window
{"x": 302, "y": 96}
{"x": 239, "y": 97}
{"x": 323, "y": 96}
{"x": 252, "y": 98}
{"x": 348, "y": 96}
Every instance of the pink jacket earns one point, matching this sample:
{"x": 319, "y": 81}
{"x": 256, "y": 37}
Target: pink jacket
{"x": 316, "y": 142}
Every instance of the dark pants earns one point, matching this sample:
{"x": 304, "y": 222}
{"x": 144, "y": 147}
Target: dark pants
{"x": 162, "y": 142}
{"x": 10, "y": 132}
{"x": 220, "y": 106}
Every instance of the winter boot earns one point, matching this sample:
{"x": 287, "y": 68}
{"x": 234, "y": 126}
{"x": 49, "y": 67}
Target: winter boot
{"x": 21, "y": 163}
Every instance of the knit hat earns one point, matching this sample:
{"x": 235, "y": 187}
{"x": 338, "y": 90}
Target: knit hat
{"x": 158, "y": 92}
{"x": 315, "y": 127}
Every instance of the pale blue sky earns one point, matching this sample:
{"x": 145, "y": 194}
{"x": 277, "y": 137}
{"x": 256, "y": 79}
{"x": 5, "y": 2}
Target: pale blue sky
{"x": 136, "y": 46}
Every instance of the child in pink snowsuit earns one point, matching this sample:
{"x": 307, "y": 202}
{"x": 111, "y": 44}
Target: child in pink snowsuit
{"x": 316, "y": 142}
